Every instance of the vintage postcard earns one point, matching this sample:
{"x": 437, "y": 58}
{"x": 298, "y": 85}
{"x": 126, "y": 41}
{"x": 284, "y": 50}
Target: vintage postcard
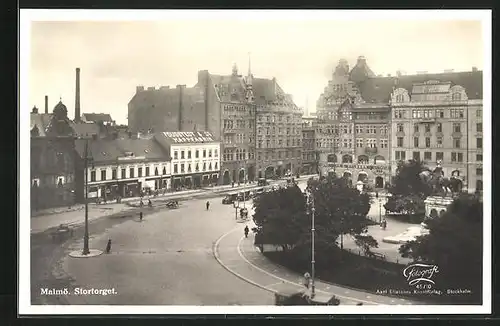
{"x": 253, "y": 161}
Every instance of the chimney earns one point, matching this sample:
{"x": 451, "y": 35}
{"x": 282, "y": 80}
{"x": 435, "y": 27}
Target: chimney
{"x": 77, "y": 96}
{"x": 34, "y": 110}
{"x": 474, "y": 69}
{"x": 139, "y": 89}
{"x": 46, "y": 104}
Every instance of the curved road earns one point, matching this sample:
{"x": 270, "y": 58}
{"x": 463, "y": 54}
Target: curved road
{"x": 166, "y": 259}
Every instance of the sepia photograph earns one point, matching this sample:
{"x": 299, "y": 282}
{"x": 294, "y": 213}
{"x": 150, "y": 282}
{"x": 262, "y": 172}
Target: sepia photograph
{"x": 255, "y": 162}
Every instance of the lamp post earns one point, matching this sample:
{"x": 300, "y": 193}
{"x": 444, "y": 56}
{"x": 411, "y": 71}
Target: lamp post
{"x": 236, "y": 206}
{"x": 311, "y": 203}
{"x": 86, "y": 160}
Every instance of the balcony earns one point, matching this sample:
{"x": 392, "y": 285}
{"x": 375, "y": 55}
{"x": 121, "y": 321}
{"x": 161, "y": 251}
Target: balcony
{"x": 229, "y": 131}
{"x": 371, "y": 150}
{"x": 426, "y": 120}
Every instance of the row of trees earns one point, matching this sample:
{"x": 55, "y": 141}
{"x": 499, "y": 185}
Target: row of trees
{"x": 283, "y": 217}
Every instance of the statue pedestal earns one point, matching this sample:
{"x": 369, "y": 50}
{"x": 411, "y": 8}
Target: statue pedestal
{"x": 435, "y": 206}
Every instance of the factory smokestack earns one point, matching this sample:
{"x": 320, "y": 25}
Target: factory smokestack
{"x": 46, "y": 104}
{"x": 77, "y": 96}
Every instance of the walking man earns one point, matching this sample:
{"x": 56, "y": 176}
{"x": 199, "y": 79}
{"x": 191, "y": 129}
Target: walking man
{"x": 140, "y": 216}
{"x": 246, "y": 231}
{"x": 307, "y": 279}
{"x": 208, "y": 205}
{"x": 108, "y": 247}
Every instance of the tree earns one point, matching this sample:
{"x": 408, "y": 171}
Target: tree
{"x": 454, "y": 244}
{"x": 409, "y": 189}
{"x": 280, "y": 217}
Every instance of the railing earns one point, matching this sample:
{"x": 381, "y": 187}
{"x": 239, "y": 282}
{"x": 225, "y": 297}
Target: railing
{"x": 360, "y": 166}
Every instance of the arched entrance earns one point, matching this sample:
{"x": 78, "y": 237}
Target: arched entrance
{"x": 455, "y": 173}
{"x": 269, "y": 173}
{"x": 347, "y": 175}
{"x": 379, "y": 182}
{"x": 433, "y": 213}
{"x": 479, "y": 185}
{"x": 347, "y": 158}
{"x": 379, "y": 159}
{"x": 362, "y": 176}
{"x": 225, "y": 179}
{"x": 441, "y": 213}
{"x": 251, "y": 173}
{"x": 332, "y": 174}
{"x": 241, "y": 176}
{"x": 331, "y": 158}
{"x": 363, "y": 159}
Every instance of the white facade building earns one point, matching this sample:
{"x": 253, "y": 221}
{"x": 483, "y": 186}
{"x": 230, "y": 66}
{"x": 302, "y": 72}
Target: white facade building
{"x": 195, "y": 157}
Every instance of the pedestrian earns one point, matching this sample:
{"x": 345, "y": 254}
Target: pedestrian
{"x": 385, "y": 223}
{"x": 108, "y": 247}
{"x": 246, "y": 231}
{"x": 233, "y": 184}
{"x": 208, "y": 205}
{"x": 140, "y": 216}
{"x": 307, "y": 279}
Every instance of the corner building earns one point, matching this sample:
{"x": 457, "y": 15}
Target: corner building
{"x": 257, "y": 124}
{"x": 369, "y": 123}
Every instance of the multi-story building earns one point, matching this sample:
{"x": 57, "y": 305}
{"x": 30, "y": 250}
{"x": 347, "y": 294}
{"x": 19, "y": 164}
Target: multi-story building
{"x": 230, "y": 107}
{"x": 438, "y": 119}
{"x": 310, "y": 155}
{"x": 369, "y": 123}
{"x": 52, "y": 159}
{"x": 123, "y": 167}
{"x": 195, "y": 157}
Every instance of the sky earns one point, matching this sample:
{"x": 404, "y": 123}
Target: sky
{"x": 116, "y": 56}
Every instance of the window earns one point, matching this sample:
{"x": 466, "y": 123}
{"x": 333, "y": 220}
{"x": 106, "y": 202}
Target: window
{"x": 456, "y": 96}
{"x": 383, "y": 143}
{"x": 103, "y": 174}
{"x": 204, "y": 153}
{"x": 204, "y": 166}
{"x": 175, "y": 168}
{"x": 456, "y": 113}
{"x": 439, "y": 142}
{"x": 164, "y": 171}
{"x": 456, "y": 127}
{"x": 479, "y": 157}
{"x": 176, "y": 155}
{"x": 197, "y": 153}
{"x": 427, "y": 156}
{"x": 427, "y": 142}
{"x": 427, "y": 127}
{"x": 400, "y": 155}
{"x": 92, "y": 176}
{"x": 216, "y": 153}
{"x": 216, "y": 166}
{"x": 416, "y": 156}
{"x": 124, "y": 174}
{"x": 479, "y": 127}
{"x": 209, "y": 153}
{"x": 415, "y": 127}
{"x": 359, "y": 129}
{"x": 359, "y": 143}
{"x": 453, "y": 156}
{"x": 156, "y": 170}
{"x": 147, "y": 171}
{"x": 439, "y": 127}
{"x": 456, "y": 142}
{"x": 439, "y": 156}
{"x": 182, "y": 167}
{"x": 415, "y": 141}
{"x": 479, "y": 171}
{"x": 457, "y": 157}
{"x": 400, "y": 127}
{"x": 460, "y": 157}
{"x": 132, "y": 172}
{"x": 189, "y": 154}
{"x": 182, "y": 155}
{"x": 383, "y": 130}
{"x": 371, "y": 143}
{"x": 479, "y": 113}
{"x": 400, "y": 142}
{"x": 189, "y": 168}
{"x": 439, "y": 113}
{"x": 139, "y": 172}
{"x": 114, "y": 173}
{"x": 479, "y": 142}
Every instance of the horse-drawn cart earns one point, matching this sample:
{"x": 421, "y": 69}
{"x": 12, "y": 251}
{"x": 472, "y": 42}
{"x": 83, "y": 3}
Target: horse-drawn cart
{"x": 62, "y": 232}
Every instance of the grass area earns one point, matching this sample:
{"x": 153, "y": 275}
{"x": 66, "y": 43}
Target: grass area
{"x": 366, "y": 274}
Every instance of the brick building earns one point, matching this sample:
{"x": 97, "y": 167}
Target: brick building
{"x": 231, "y": 107}
{"x": 310, "y": 154}
{"x": 368, "y": 123}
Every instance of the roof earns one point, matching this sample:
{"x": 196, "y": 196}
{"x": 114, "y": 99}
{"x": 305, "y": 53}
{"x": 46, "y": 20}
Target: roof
{"x": 41, "y": 121}
{"x": 105, "y": 117}
{"x": 379, "y": 89}
{"x": 165, "y": 139}
{"x": 85, "y": 129}
{"x": 103, "y": 150}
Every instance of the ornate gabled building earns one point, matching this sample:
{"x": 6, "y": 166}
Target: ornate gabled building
{"x": 232, "y": 108}
{"x": 368, "y": 123}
